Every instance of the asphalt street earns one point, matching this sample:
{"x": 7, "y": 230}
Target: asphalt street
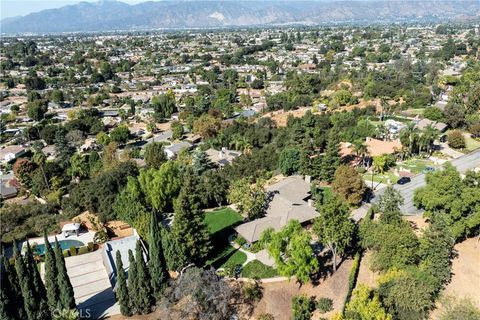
{"x": 463, "y": 163}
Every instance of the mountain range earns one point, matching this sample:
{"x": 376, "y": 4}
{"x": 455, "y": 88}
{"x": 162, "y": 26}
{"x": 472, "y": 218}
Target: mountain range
{"x": 114, "y": 15}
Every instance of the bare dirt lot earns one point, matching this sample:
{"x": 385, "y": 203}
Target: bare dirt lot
{"x": 277, "y": 296}
{"x": 466, "y": 272}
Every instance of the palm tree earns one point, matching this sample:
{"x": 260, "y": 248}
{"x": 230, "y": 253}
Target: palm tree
{"x": 360, "y": 150}
{"x": 409, "y": 137}
{"x": 428, "y": 137}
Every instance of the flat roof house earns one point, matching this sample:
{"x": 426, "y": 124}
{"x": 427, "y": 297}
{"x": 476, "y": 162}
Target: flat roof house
{"x": 290, "y": 200}
{"x": 9, "y": 153}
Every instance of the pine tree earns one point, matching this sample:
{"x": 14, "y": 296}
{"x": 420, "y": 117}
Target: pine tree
{"x": 122, "y": 290}
{"x": 144, "y": 295}
{"x": 331, "y": 159}
{"x": 13, "y": 290}
{"x": 28, "y": 292}
{"x": 133, "y": 283}
{"x": 66, "y": 297}
{"x": 38, "y": 286}
{"x": 51, "y": 276}
{"x": 157, "y": 265}
{"x": 188, "y": 226}
{"x": 201, "y": 162}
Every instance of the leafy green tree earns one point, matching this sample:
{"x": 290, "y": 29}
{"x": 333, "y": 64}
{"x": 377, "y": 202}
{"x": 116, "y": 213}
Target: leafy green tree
{"x": 122, "y": 290}
{"x": 164, "y": 105}
{"x": 393, "y": 245}
{"x": 289, "y": 161}
{"x": 249, "y": 199}
{"x": 407, "y": 294}
{"x": 155, "y": 155}
{"x": 389, "y": 205}
{"x": 436, "y": 251}
{"x": 177, "y": 129}
{"x": 349, "y": 184}
{"x": 51, "y": 283}
{"x": 334, "y": 228}
{"x": 23, "y": 170}
{"x": 302, "y": 307}
{"x": 365, "y": 304}
{"x": 66, "y": 297}
{"x": 161, "y": 186}
{"x": 207, "y": 126}
{"x": 144, "y": 286}
{"x": 120, "y": 134}
{"x": 188, "y": 225}
{"x": 456, "y": 199}
{"x": 291, "y": 250}
{"x": 157, "y": 265}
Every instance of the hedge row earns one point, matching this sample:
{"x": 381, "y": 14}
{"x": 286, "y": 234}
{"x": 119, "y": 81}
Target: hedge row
{"x": 352, "y": 279}
{"x": 74, "y": 251}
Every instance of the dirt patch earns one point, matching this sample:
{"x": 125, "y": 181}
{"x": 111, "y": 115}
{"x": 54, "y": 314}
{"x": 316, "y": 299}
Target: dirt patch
{"x": 466, "y": 272}
{"x": 418, "y": 223}
{"x": 120, "y": 229}
{"x": 365, "y": 275}
{"x": 277, "y": 296}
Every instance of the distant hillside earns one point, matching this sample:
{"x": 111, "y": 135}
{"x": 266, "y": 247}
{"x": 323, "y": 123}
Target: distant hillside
{"x": 115, "y": 15}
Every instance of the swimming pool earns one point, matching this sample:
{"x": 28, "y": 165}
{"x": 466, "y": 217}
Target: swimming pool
{"x": 64, "y": 244}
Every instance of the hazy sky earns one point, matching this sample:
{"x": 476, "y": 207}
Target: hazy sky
{"x": 12, "y": 8}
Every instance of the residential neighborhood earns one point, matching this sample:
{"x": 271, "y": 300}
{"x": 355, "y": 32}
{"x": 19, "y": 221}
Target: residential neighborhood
{"x": 264, "y": 172}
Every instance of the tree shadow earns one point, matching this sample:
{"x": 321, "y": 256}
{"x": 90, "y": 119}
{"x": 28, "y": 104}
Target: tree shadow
{"x": 96, "y": 306}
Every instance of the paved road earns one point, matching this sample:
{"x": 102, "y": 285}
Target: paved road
{"x": 463, "y": 163}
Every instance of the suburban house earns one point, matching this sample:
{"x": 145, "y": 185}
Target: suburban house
{"x": 8, "y": 186}
{"x": 290, "y": 200}
{"x": 9, "y": 153}
{"x": 174, "y": 150}
{"x": 440, "y": 126}
{"x": 223, "y": 157}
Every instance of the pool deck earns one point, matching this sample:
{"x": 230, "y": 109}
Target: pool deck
{"x": 85, "y": 237}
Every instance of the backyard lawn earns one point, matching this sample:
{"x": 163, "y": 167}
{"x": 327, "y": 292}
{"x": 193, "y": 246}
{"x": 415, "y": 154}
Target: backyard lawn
{"x": 220, "y": 224}
{"x": 256, "y": 269}
{"x": 471, "y": 143}
{"x": 416, "y": 165}
{"x": 220, "y": 219}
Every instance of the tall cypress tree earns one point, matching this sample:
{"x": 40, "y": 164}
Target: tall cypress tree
{"x": 38, "y": 286}
{"x": 157, "y": 264}
{"x": 133, "y": 283}
{"x": 189, "y": 226}
{"x": 26, "y": 284}
{"x": 66, "y": 297}
{"x": 331, "y": 159}
{"x": 144, "y": 287}
{"x": 51, "y": 276}
{"x": 7, "y": 309}
{"x": 122, "y": 290}
{"x": 13, "y": 290}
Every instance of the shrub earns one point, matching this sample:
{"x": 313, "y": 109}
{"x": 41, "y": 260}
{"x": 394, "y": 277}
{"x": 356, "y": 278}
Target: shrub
{"x": 456, "y": 139}
{"x": 252, "y": 291}
{"x": 100, "y": 237}
{"x": 324, "y": 304}
{"x": 352, "y": 279}
{"x": 265, "y": 316}
{"x": 91, "y": 246}
{"x": 240, "y": 241}
{"x": 302, "y": 307}
{"x": 83, "y": 250}
{"x": 73, "y": 251}
{"x": 66, "y": 253}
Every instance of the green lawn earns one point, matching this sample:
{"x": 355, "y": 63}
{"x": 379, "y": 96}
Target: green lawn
{"x": 417, "y": 165}
{"x": 257, "y": 269}
{"x": 382, "y": 178}
{"x": 472, "y": 144}
{"x": 220, "y": 224}
{"x": 221, "y": 219}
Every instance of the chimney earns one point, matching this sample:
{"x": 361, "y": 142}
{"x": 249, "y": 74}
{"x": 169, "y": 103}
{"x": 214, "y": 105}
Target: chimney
{"x": 310, "y": 203}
